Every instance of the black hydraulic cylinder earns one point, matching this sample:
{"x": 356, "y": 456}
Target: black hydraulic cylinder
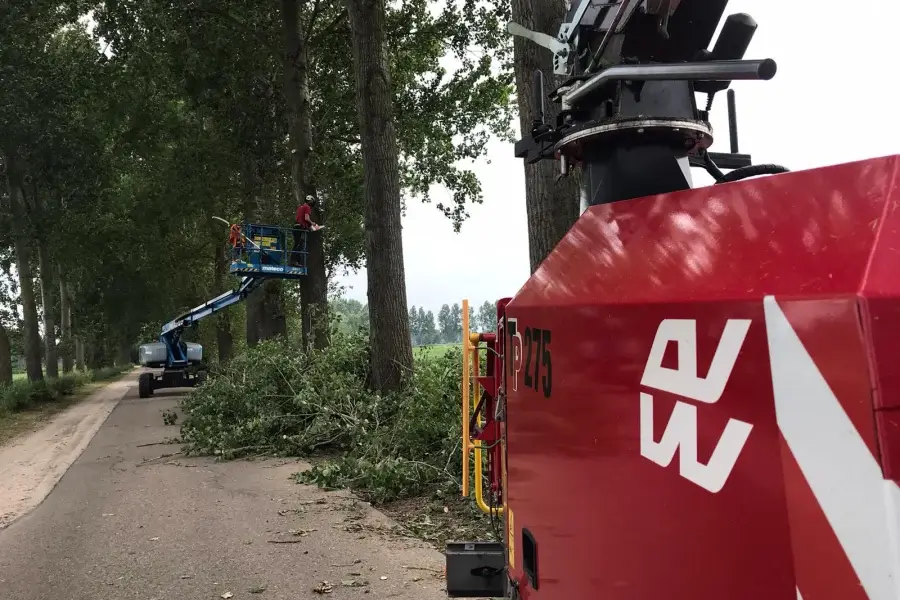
{"x": 735, "y": 38}
{"x": 537, "y": 91}
{"x": 732, "y": 122}
{"x": 737, "y": 33}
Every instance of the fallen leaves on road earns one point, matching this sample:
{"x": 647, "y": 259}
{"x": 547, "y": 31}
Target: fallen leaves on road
{"x": 355, "y": 562}
{"x": 324, "y": 588}
{"x": 257, "y": 589}
{"x": 227, "y": 595}
{"x": 150, "y": 461}
{"x": 354, "y": 583}
{"x": 422, "y": 569}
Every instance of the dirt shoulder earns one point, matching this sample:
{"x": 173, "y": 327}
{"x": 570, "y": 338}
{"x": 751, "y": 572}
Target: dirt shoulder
{"x": 32, "y": 463}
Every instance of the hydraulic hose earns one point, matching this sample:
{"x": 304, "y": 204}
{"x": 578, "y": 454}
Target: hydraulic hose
{"x": 752, "y": 171}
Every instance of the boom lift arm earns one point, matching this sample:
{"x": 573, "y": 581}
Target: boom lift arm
{"x": 171, "y": 331}
{"x": 258, "y": 253}
{"x": 177, "y": 357}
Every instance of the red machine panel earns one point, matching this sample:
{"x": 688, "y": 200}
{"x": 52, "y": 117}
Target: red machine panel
{"x": 692, "y": 414}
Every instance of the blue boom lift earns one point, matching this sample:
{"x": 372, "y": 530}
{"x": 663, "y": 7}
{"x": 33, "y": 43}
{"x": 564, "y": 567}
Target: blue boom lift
{"x": 258, "y": 253}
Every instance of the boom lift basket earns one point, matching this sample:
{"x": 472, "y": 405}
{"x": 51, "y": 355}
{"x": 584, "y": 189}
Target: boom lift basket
{"x": 268, "y": 251}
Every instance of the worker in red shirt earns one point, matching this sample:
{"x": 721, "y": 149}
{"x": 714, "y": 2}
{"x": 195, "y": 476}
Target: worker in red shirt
{"x": 303, "y": 219}
{"x": 302, "y": 223}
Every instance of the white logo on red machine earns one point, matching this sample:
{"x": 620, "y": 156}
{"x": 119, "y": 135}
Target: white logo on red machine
{"x": 514, "y": 348}
{"x": 681, "y": 431}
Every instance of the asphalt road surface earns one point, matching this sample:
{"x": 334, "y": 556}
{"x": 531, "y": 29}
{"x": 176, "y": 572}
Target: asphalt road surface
{"x": 129, "y": 520}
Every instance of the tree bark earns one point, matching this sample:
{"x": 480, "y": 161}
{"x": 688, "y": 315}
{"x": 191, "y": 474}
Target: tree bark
{"x": 95, "y": 354}
{"x": 79, "y": 354}
{"x": 314, "y": 287}
{"x": 65, "y": 322}
{"x": 271, "y": 317}
{"x": 123, "y": 356}
{"x": 552, "y": 206}
{"x": 265, "y": 308}
{"x": 49, "y": 305}
{"x": 249, "y": 181}
{"x": 224, "y": 337}
{"x": 47, "y": 285}
{"x": 32, "y": 338}
{"x": 389, "y": 320}
{"x": 6, "y": 369}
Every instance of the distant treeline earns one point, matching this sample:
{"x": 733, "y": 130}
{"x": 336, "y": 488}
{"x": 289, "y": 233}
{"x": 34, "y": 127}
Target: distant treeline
{"x": 424, "y": 327}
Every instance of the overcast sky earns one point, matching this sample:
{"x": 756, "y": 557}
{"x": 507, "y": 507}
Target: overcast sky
{"x": 833, "y": 100}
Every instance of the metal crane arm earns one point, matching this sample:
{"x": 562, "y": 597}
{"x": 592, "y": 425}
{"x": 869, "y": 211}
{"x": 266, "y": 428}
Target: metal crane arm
{"x": 171, "y": 331}
{"x": 246, "y": 287}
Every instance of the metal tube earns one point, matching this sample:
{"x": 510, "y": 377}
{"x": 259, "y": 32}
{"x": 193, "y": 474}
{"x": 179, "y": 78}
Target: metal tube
{"x": 732, "y": 122}
{"x": 466, "y": 442}
{"x": 723, "y": 70}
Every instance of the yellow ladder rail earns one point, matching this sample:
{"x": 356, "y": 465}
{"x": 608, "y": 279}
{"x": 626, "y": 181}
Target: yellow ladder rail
{"x": 470, "y": 373}
{"x": 466, "y": 444}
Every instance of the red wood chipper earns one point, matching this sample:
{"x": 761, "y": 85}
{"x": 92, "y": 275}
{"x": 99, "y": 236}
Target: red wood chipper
{"x": 695, "y": 396}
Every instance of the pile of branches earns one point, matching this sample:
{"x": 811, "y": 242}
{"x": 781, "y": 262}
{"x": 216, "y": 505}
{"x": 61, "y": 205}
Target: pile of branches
{"x": 276, "y": 400}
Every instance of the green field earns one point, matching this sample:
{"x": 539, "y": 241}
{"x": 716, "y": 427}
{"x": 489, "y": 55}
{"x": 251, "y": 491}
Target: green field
{"x": 433, "y": 350}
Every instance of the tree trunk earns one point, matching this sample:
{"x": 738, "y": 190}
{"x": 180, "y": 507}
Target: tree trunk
{"x": 389, "y": 320}
{"x": 314, "y": 287}
{"x": 79, "y": 354}
{"x": 65, "y": 322}
{"x": 6, "y": 369}
{"x": 49, "y": 304}
{"x": 95, "y": 354}
{"x": 123, "y": 356}
{"x": 248, "y": 179}
{"x": 265, "y": 308}
{"x": 48, "y": 287}
{"x": 224, "y": 338}
{"x": 552, "y": 207}
{"x": 314, "y": 292}
{"x": 32, "y": 337}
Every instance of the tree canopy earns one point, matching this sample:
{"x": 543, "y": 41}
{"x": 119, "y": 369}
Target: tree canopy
{"x": 126, "y": 125}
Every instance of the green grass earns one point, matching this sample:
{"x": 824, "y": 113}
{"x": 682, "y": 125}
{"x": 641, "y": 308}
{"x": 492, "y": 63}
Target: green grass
{"x": 24, "y": 406}
{"x": 434, "y": 350}
{"x": 14, "y": 424}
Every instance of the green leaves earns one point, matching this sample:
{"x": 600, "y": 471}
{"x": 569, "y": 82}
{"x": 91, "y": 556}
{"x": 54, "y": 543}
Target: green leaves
{"x": 273, "y": 400}
{"x": 172, "y": 112}
{"x": 446, "y": 118}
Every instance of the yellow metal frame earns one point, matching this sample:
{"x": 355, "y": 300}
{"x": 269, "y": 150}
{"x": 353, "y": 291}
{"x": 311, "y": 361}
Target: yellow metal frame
{"x": 470, "y": 368}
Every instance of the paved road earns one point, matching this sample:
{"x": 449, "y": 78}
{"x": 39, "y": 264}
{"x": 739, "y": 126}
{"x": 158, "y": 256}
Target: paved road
{"x": 124, "y": 524}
